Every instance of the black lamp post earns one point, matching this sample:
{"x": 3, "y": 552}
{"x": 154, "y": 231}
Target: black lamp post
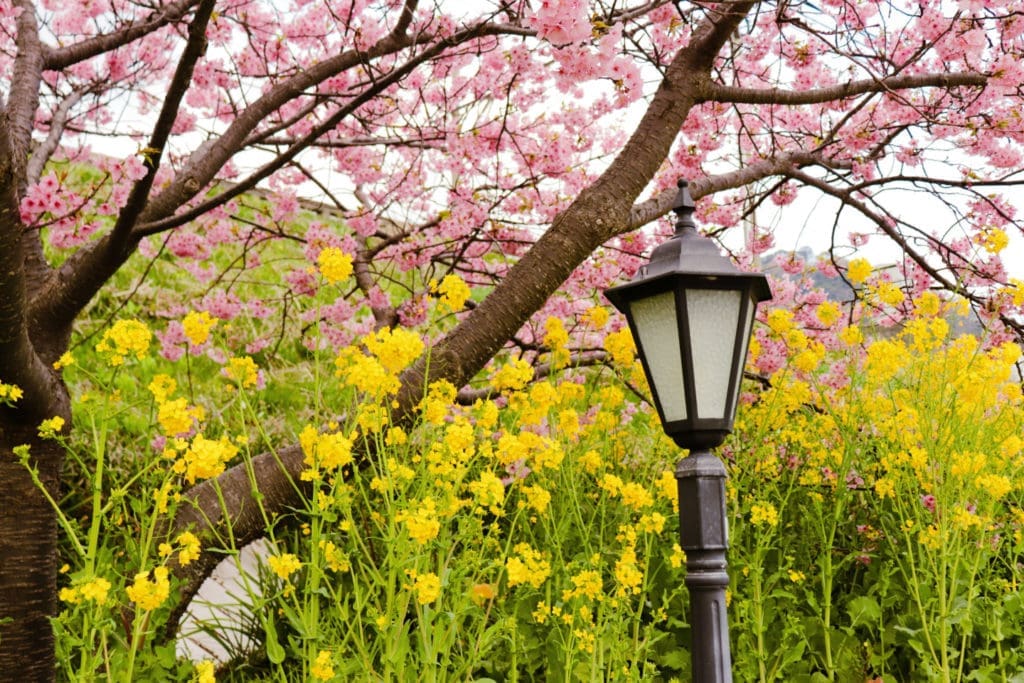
{"x": 690, "y": 311}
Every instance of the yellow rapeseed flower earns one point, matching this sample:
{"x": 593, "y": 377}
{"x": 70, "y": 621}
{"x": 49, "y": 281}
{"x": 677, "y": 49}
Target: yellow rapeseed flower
{"x": 453, "y": 291}
{"x": 764, "y": 514}
{"x": 50, "y": 428}
{"x": 992, "y": 239}
{"x": 190, "y": 548}
{"x": 176, "y": 417}
{"x": 162, "y": 387}
{"x": 396, "y": 348}
{"x": 621, "y": 347}
{"x": 243, "y": 371}
{"x": 197, "y": 327}
{"x": 321, "y": 669}
{"x": 421, "y": 521}
{"x": 10, "y": 393}
{"x": 537, "y": 498}
{"x": 527, "y": 566}
{"x": 426, "y": 586}
{"x": 206, "y": 458}
{"x": 96, "y": 590}
{"x": 858, "y": 271}
{"x": 488, "y": 491}
{"x": 149, "y": 594}
{"x": 635, "y": 496}
{"x": 627, "y": 574}
{"x": 334, "y": 558}
{"x": 64, "y": 361}
{"x": 587, "y": 584}
{"x": 596, "y": 317}
{"x": 828, "y": 312}
{"x": 556, "y": 338}
{"x": 125, "y": 338}
{"x": 284, "y": 565}
{"x": 205, "y": 672}
{"x": 512, "y": 376}
{"x": 329, "y": 450}
{"x": 335, "y": 265}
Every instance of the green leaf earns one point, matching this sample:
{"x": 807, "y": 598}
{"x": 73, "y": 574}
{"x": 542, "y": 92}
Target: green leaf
{"x": 863, "y": 611}
{"x": 275, "y": 653}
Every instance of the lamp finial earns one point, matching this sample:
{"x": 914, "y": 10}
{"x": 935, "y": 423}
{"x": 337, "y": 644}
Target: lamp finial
{"x": 684, "y": 207}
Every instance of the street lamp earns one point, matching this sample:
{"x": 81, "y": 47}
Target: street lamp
{"x": 690, "y": 311}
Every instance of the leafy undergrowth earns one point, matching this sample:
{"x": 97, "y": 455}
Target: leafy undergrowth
{"x": 531, "y": 534}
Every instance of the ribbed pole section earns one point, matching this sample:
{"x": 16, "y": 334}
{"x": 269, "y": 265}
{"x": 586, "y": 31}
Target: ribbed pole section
{"x": 704, "y": 536}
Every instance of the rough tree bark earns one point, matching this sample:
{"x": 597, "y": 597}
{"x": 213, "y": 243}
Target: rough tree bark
{"x": 28, "y": 557}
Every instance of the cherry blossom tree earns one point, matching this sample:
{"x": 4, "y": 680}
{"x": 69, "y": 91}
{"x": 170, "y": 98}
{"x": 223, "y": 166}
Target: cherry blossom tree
{"x": 520, "y": 144}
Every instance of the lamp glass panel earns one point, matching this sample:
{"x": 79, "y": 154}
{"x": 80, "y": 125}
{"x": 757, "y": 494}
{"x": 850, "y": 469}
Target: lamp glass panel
{"x": 654, "y": 318}
{"x": 745, "y": 339}
{"x": 714, "y": 316}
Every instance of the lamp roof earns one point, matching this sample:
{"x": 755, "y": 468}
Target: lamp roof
{"x": 690, "y": 254}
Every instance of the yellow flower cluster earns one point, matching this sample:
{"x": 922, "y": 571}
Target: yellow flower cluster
{"x": 527, "y": 566}
{"x": 284, "y": 565}
{"x": 149, "y": 593}
{"x": 324, "y": 450}
{"x": 94, "y": 590}
{"x": 177, "y": 417}
{"x": 488, "y": 492}
{"x": 205, "y": 458}
{"x": 512, "y": 376}
{"x": 205, "y": 672}
{"x": 334, "y": 558}
{"x": 620, "y": 347}
{"x": 243, "y": 371}
{"x": 334, "y": 264}
{"x": 421, "y": 521}
{"x": 992, "y": 239}
{"x": 858, "y": 270}
{"x": 628, "y": 576}
{"x": 764, "y": 514}
{"x": 596, "y": 317}
{"x": 197, "y": 326}
{"x": 9, "y": 394}
{"x": 427, "y": 586}
{"x": 123, "y": 339}
{"x": 321, "y": 669}
{"x": 395, "y": 348}
{"x": 556, "y": 338}
{"x": 453, "y": 291}
{"x": 50, "y": 428}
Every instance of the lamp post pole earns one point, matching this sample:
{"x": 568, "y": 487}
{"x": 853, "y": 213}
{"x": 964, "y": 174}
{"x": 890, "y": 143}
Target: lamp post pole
{"x": 704, "y": 537}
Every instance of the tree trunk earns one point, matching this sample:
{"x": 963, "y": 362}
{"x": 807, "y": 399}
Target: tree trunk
{"x": 28, "y": 556}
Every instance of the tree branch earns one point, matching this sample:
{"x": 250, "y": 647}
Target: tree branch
{"x": 56, "y": 59}
{"x": 661, "y": 204}
{"x": 23, "y": 98}
{"x": 19, "y": 363}
{"x": 44, "y": 150}
{"x": 121, "y": 236}
{"x": 716, "y": 92}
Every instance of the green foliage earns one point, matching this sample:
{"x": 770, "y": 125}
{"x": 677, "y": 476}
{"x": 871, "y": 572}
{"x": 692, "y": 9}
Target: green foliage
{"x": 876, "y": 526}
